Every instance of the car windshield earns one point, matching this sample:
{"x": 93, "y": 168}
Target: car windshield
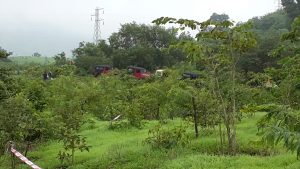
{"x": 143, "y": 70}
{"x": 130, "y": 70}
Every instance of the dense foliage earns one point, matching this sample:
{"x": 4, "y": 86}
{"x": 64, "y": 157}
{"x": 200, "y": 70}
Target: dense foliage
{"x": 134, "y": 44}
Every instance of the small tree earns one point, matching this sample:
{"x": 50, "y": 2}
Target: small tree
{"x": 67, "y": 103}
{"x": 19, "y": 121}
{"x": 219, "y": 49}
{"x": 4, "y": 54}
{"x": 36, "y": 54}
{"x": 151, "y": 99}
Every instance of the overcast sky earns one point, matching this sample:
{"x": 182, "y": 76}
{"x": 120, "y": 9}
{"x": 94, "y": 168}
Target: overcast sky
{"x": 52, "y": 26}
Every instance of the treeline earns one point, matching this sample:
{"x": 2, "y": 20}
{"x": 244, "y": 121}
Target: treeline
{"x": 138, "y": 45}
{"x": 151, "y": 46}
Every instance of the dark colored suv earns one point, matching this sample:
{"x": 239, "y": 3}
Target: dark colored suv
{"x": 101, "y": 69}
{"x": 189, "y": 75}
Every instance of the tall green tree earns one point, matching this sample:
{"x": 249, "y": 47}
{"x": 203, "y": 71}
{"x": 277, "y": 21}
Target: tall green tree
{"x": 133, "y": 34}
{"x": 291, "y": 7}
{"x": 281, "y": 123}
{"x": 288, "y": 71}
{"x": 143, "y": 45}
{"x": 219, "y": 17}
{"x": 268, "y": 30}
{"x": 88, "y": 55}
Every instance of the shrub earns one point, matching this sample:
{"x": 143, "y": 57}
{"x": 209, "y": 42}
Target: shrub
{"x": 167, "y": 138}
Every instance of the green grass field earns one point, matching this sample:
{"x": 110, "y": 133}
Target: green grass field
{"x": 125, "y": 149}
{"x": 31, "y": 59}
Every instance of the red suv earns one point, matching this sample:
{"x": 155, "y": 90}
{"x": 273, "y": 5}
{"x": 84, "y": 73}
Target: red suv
{"x": 138, "y": 72}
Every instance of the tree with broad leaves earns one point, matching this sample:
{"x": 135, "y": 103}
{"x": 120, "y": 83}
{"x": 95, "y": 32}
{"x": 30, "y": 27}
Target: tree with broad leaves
{"x": 219, "y": 49}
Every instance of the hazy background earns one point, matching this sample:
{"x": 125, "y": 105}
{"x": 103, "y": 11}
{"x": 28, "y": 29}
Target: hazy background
{"x": 52, "y": 26}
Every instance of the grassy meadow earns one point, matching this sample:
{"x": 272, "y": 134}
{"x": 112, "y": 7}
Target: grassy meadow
{"x": 23, "y": 60}
{"x": 125, "y": 148}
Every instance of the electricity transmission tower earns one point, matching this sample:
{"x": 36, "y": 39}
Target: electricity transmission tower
{"x": 98, "y": 21}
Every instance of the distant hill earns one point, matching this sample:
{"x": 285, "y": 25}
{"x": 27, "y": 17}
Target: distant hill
{"x": 32, "y": 59}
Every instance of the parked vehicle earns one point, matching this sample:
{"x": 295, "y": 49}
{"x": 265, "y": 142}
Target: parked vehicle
{"x": 101, "y": 69}
{"x": 47, "y": 75}
{"x": 159, "y": 73}
{"x": 138, "y": 72}
{"x": 189, "y": 75}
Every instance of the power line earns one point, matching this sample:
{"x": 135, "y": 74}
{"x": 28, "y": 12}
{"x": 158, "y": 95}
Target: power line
{"x": 98, "y": 21}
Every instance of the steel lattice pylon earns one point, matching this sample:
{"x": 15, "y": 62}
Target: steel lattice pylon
{"x": 98, "y": 21}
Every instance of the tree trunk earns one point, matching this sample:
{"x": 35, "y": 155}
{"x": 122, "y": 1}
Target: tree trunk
{"x": 171, "y": 115}
{"x": 195, "y": 117}
{"x": 230, "y": 128}
{"x": 221, "y": 137}
{"x": 229, "y": 120}
{"x": 228, "y": 116}
{"x": 157, "y": 112}
{"x": 27, "y": 148}
{"x": 205, "y": 118}
{"x": 73, "y": 155}
{"x": 231, "y": 114}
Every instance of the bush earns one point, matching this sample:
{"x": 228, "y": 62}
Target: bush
{"x": 167, "y": 138}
